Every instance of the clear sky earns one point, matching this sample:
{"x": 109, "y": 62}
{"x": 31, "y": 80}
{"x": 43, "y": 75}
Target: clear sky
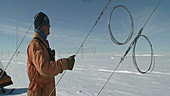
{"x": 71, "y": 20}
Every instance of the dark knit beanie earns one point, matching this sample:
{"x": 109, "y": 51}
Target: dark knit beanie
{"x": 40, "y": 19}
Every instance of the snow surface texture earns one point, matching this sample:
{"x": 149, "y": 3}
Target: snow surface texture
{"x": 92, "y": 71}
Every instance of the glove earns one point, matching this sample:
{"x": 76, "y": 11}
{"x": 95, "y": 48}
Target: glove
{"x": 71, "y": 61}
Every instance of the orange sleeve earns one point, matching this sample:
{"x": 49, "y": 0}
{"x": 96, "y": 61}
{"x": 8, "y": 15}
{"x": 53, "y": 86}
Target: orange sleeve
{"x": 42, "y": 62}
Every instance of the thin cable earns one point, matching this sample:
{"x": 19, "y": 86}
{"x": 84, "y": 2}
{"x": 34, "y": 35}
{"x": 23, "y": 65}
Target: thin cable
{"x": 139, "y": 34}
{"x": 116, "y": 68}
{"x": 83, "y": 42}
{"x": 134, "y": 63}
{"x": 152, "y": 13}
{"x": 21, "y": 41}
{"x": 108, "y": 79}
{"x": 93, "y": 26}
{"x": 57, "y": 83}
{"x": 130, "y": 46}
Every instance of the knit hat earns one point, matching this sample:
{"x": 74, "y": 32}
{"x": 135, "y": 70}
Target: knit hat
{"x": 40, "y": 19}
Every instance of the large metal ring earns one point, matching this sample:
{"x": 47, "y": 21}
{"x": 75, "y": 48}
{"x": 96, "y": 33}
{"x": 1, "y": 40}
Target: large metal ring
{"x": 132, "y": 26}
{"x": 134, "y": 57}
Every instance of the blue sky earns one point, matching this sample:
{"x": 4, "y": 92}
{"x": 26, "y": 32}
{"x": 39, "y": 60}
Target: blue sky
{"x": 71, "y": 20}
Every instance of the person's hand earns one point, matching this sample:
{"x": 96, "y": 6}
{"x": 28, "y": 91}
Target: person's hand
{"x": 71, "y": 61}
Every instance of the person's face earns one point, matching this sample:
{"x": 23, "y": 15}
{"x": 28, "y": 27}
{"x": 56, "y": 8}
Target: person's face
{"x": 46, "y": 29}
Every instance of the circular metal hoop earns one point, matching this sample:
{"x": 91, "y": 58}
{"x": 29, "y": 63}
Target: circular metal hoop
{"x": 134, "y": 57}
{"x": 132, "y": 26}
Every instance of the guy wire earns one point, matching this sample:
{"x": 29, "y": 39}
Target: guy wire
{"x": 93, "y": 26}
{"x": 152, "y": 13}
{"x": 21, "y": 41}
{"x": 108, "y": 79}
{"x": 131, "y": 45}
{"x": 84, "y": 41}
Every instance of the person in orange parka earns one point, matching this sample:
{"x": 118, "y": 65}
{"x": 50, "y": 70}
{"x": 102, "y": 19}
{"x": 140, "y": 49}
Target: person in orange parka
{"x": 41, "y": 64}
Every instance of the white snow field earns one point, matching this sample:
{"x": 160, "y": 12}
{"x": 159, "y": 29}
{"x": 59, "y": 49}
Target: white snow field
{"x": 91, "y": 72}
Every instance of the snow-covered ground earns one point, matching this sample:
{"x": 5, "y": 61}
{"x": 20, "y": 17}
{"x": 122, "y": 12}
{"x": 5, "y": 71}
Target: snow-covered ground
{"x": 92, "y": 71}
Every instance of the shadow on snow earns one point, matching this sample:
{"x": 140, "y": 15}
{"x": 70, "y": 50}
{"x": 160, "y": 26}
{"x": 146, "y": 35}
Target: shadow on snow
{"x": 17, "y": 91}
